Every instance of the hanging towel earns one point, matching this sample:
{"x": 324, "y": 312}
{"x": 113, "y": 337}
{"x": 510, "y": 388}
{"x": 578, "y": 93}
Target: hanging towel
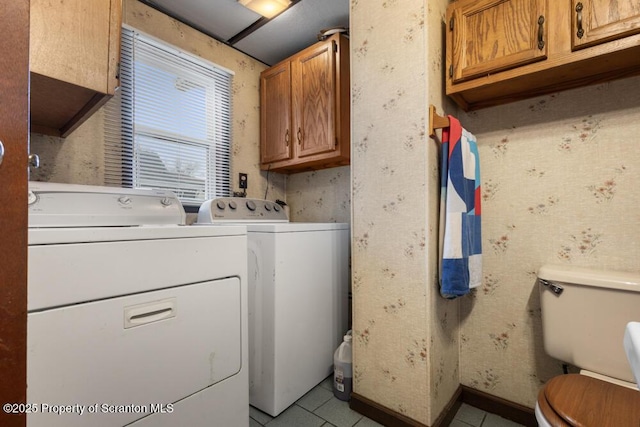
{"x": 460, "y": 231}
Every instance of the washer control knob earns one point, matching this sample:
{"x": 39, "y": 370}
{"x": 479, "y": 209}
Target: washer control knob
{"x": 251, "y": 205}
{"x": 220, "y": 204}
{"x": 233, "y": 205}
{"x": 166, "y": 201}
{"x": 276, "y": 207}
{"x": 267, "y": 207}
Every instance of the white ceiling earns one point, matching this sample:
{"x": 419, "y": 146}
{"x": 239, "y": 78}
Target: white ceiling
{"x": 271, "y": 40}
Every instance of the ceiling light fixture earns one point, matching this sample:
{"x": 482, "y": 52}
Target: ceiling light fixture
{"x": 266, "y": 8}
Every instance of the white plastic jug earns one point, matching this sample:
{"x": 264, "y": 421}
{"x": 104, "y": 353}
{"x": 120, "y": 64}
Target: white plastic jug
{"x": 342, "y": 369}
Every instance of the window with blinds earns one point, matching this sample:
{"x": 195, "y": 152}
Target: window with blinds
{"x": 169, "y": 125}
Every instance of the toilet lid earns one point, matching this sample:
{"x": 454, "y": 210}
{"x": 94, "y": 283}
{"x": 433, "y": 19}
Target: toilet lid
{"x": 581, "y": 401}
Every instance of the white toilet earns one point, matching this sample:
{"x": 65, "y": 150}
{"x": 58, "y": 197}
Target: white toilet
{"x": 584, "y": 314}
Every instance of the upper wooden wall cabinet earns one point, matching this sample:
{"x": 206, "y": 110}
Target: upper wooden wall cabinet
{"x": 498, "y": 51}
{"x": 74, "y": 54}
{"x": 304, "y": 109}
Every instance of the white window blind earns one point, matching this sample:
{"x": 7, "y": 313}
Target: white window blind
{"x": 169, "y": 126}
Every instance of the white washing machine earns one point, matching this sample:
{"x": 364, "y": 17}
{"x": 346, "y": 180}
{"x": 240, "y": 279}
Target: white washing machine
{"x": 133, "y": 318}
{"x": 298, "y": 297}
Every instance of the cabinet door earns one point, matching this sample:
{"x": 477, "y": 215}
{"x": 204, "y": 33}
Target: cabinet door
{"x": 70, "y": 41}
{"x": 597, "y": 22}
{"x": 74, "y": 52}
{"x": 488, "y": 36}
{"x": 275, "y": 114}
{"x": 314, "y": 105}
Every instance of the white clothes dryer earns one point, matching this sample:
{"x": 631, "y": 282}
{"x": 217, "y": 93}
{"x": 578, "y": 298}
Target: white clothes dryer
{"x": 298, "y": 297}
{"x": 133, "y": 318}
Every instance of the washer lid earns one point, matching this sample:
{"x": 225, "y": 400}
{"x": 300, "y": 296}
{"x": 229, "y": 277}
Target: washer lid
{"x": 69, "y": 205}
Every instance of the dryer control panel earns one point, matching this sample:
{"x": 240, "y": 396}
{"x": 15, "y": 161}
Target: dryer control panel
{"x": 70, "y": 205}
{"x": 240, "y": 209}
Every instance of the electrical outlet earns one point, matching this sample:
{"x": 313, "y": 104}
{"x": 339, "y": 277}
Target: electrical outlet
{"x": 243, "y": 180}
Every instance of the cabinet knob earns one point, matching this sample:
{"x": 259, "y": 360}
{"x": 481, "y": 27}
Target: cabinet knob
{"x": 286, "y": 137}
{"x": 299, "y": 136}
{"x": 1, "y": 152}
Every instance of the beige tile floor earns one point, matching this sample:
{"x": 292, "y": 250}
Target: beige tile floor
{"x": 319, "y": 408}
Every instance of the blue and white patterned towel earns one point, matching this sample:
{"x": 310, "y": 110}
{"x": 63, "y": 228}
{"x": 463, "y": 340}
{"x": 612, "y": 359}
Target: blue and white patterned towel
{"x": 460, "y": 220}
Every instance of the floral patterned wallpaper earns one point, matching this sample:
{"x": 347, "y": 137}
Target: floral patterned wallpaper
{"x": 77, "y": 159}
{"x": 559, "y": 177}
{"x": 405, "y": 335}
{"x": 320, "y": 196}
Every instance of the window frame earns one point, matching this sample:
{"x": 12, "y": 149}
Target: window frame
{"x": 122, "y": 130}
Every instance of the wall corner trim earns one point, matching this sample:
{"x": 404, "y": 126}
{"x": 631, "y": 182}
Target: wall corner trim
{"x": 381, "y": 414}
{"x": 476, "y": 398}
{"x": 390, "y": 418}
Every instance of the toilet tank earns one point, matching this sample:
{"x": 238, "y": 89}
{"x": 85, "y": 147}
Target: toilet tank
{"x": 584, "y": 315}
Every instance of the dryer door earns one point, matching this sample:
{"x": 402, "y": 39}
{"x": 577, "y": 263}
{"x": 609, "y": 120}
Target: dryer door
{"x": 121, "y": 359}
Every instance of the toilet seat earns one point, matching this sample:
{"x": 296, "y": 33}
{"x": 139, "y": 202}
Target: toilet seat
{"x": 575, "y": 400}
